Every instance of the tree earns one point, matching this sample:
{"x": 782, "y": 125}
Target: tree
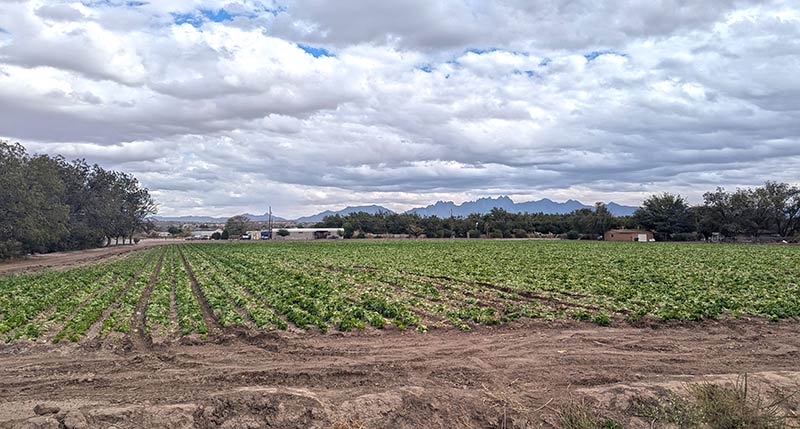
{"x": 780, "y": 204}
{"x": 49, "y": 204}
{"x": 602, "y": 219}
{"x": 664, "y": 214}
{"x": 238, "y": 226}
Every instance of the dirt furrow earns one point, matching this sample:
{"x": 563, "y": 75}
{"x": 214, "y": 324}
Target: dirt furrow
{"x": 56, "y": 328}
{"x": 174, "y": 328}
{"x": 138, "y": 338}
{"x": 94, "y": 331}
{"x": 39, "y": 318}
{"x": 531, "y": 296}
{"x": 209, "y": 318}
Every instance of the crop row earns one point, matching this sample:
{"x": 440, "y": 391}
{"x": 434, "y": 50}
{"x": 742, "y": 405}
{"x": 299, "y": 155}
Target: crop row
{"x": 408, "y": 284}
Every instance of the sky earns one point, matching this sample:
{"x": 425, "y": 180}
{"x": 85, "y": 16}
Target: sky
{"x": 223, "y": 107}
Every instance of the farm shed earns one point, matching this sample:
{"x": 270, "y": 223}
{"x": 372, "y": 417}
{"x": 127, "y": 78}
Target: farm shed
{"x": 308, "y": 233}
{"x": 204, "y": 234}
{"x": 628, "y": 235}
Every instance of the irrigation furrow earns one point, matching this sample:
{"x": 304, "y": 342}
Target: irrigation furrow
{"x": 94, "y": 330}
{"x": 138, "y": 338}
{"x": 209, "y": 318}
{"x": 174, "y": 327}
{"x": 40, "y": 318}
{"x": 55, "y": 329}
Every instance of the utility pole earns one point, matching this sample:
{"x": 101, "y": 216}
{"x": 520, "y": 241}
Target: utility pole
{"x": 452, "y": 225}
{"x": 269, "y": 223}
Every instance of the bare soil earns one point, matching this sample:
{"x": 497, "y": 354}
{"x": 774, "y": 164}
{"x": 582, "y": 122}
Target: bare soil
{"x": 510, "y": 376}
{"x": 77, "y": 258}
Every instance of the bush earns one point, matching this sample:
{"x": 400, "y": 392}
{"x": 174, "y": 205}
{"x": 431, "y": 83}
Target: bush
{"x": 283, "y": 232}
{"x": 496, "y": 234}
{"x": 520, "y": 233}
{"x": 573, "y": 235}
{"x": 473, "y": 233}
{"x": 733, "y": 406}
{"x": 684, "y": 236}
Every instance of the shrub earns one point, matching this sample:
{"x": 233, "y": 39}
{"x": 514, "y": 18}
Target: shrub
{"x": 573, "y": 235}
{"x": 283, "y": 232}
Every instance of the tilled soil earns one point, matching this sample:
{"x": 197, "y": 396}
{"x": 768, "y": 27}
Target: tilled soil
{"x": 511, "y": 376}
{"x": 77, "y": 258}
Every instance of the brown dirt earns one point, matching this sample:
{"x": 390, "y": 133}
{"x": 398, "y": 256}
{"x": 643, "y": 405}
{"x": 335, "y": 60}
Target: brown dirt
{"x": 140, "y": 341}
{"x": 78, "y": 258}
{"x": 514, "y": 375}
{"x": 214, "y": 328}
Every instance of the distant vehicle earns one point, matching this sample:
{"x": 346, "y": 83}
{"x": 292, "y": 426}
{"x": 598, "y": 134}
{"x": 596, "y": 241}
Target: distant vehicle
{"x": 246, "y": 237}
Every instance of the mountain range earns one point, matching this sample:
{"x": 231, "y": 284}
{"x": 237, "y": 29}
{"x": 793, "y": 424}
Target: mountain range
{"x": 440, "y": 209}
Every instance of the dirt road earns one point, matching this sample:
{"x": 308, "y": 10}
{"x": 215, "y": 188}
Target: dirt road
{"x": 65, "y": 260}
{"x": 513, "y": 376}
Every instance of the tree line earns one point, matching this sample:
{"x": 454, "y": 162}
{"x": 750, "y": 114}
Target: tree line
{"x": 771, "y": 210}
{"x": 50, "y": 204}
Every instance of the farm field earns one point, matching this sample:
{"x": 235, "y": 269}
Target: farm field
{"x": 199, "y": 289}
{"x": 397, "y": 334}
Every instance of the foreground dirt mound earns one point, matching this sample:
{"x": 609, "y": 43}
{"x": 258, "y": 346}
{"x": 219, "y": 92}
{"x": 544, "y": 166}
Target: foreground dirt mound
{"x": 515, "y": 376}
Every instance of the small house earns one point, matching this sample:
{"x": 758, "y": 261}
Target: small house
{"x": 628, "y": 235}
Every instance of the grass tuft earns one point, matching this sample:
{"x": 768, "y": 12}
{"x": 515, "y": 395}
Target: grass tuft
{"x": 580, "y": 414}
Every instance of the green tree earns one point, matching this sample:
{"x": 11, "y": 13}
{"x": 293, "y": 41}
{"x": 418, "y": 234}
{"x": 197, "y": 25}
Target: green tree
{"x": 664, "y": 214}
{"x": 238, "y": 225}
{"x": 780, "y": 208}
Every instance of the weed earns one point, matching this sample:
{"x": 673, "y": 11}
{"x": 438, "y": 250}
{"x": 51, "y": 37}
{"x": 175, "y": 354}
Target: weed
{"x": 579, "y": 414}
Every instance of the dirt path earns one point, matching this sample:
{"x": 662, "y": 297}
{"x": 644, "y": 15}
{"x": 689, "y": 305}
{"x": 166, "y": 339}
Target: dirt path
{"x": 516, "y": 374}
{"x": 78, "y": 258}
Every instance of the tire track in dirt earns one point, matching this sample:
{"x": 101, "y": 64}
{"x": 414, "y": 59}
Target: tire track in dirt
{"x": 55, "y": 329}
{"x": 213, "y": 325}
{"x": 531, "y": 296}
{"x": 94, "y": 330}
{"x": 448, "y": 293}
{"x": 138, "y": 338}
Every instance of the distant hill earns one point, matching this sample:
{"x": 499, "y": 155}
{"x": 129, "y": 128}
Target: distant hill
{"x": 443, "y": 209}
{"x": 209, "y": 219}
{"x": 264, "y": 217}
{"x": 344, "y": 212}
{"x": 190, "y": 219}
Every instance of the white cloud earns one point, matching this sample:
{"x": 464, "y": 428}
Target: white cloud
{"x": 218, "y": 108}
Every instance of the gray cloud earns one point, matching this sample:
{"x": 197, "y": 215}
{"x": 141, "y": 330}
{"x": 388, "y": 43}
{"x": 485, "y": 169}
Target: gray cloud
{"x": 574, "y": 100}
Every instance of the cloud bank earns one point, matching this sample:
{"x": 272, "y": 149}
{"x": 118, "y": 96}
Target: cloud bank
{"x": 222, "y": 107}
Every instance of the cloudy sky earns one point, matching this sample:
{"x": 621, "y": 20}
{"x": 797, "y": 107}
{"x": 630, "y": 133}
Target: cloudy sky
{"x": 222, "y": 107}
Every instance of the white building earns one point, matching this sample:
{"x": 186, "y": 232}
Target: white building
{"x": 204, "y": 234}
{"x": 308, "y": 233}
